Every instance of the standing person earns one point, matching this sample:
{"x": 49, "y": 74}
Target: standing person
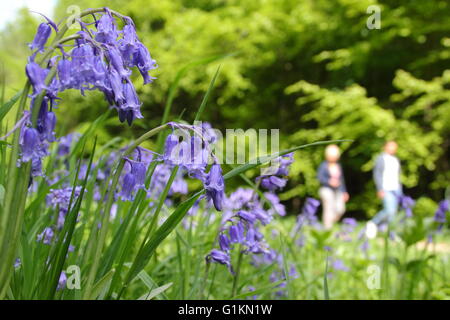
{"x": 386, "y": 174}
{"x": 333, "y": 192}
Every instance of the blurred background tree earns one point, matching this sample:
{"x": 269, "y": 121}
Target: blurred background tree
{"x": 311, "y": 68}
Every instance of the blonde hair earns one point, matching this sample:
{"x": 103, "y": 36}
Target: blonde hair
{"x": 332, "y": 150}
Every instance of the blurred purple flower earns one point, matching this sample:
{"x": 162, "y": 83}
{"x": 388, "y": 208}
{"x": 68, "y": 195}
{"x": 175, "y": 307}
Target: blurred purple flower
{"x": 62, "y": 281}
{"x": 407, "y": 203}
{"x": 46, "y": 236}
{"x": 440, "y": 215}
{"x": 338, "y": 264}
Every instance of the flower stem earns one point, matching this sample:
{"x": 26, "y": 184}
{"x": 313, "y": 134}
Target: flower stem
{"x": 238, "y": 271}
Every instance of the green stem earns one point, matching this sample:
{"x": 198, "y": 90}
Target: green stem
{"x": 238, "y": 271}
{"x": 205, "y": 279}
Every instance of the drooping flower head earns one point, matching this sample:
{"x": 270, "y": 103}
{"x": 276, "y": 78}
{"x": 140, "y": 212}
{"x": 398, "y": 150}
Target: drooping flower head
{"x": 215, "y": 186}
{"x": 101, "y": 58}
{"x": 221, "y": 257}
{"x": 40, "y": 39}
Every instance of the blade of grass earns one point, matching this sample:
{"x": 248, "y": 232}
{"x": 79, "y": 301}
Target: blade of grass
{"x": 161, "y": 233}
{"x": 6, "y": 107}
{"x": 325, "y": 281}
{"x": 264, "y": 159}
{"x": 155, "y": 292}
{"x": 206, "y": 96}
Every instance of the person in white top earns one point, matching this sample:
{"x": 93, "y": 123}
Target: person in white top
{"x": 386, "y": 174}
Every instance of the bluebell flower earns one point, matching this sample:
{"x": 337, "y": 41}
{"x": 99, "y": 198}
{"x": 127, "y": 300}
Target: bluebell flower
{"x": 128, "y": 185}
{"x": 116, "y": 61}
{"x": 276, "y": 206}
{"x": 64, "y": 69}
{"x": 41, "y": 37}
{"x": 36, "y": 75}
{"x": 253, "y": 242}
{"x": 171, "y": 143}
{"x": 284, "y": 163}
{"x": 60, "y": 198}
{"x": 46, "y": 236}
{"x": 224, "y": 242}
{"x": 215, "y": 186}
{"x": 263, "y": 216}
{"x": 128, "y": 44}
{"x": 247, "y": 216}
{"x": 29, "y": 142}
{"x": 220, "y": 257}
{"x": 129, "y": 108}
{"x": 106, "y": 29}
{"x": 144, "y": 62}
{"x": 138, "y": 170}
{"x": 236, "y": 233}
{"x": 208, "y": 132}
{"x": 46, "y": 122}
{"x": 273, "y": 183}
{"x": 62, "y": 281}
{"x": 17, "y": 263}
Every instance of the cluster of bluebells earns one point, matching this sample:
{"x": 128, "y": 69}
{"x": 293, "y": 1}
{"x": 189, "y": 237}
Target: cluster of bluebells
{"x": 190, "y": 147}
{"x": 100, "y": 58}
{"x": 245, "y": 212}
{"x": 274, "y": 177}
{"x": 187, "y": 147}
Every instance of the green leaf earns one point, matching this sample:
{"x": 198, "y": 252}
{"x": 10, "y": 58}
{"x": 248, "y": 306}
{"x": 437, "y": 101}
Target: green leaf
{"x": 2, "y": 193}
{"x": 156, "y": 292}
{"x": 102, "y": 285}
{"x": 206, "y": 97}
{"x": 5, "y": 108}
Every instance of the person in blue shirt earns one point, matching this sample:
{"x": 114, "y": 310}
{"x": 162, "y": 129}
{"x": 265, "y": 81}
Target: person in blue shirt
{"x": 333, "y": 191}
{"x": 386, "y": 174}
